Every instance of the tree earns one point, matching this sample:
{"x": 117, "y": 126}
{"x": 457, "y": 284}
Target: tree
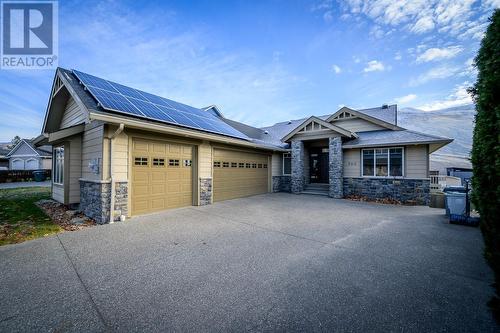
{"x": 15, "y": 140}
{"x": 486, "y": 147}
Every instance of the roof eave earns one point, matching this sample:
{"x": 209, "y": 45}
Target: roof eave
{"x": 442, "y": 143}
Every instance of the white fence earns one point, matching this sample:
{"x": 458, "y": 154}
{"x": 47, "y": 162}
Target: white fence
{"x": 439, "y": 182}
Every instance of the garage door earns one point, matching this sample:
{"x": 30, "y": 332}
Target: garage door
{"x": 161, "y": 176}
{"x": 239, "y": 174}
{"x": 31, "y": 164}
{"x": 18, "y": 164}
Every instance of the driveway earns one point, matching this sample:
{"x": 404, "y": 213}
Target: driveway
{"x": 24, "y": 184}
{"x": 276, "y": 262}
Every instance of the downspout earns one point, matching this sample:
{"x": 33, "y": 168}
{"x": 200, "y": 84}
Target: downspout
{"x": 111, "y": 178}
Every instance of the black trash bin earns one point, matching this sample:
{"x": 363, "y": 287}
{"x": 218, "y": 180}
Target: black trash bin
{"x": 39, "y": 175}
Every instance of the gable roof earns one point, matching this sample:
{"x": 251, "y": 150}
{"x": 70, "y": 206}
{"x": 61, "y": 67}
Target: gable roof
{"x": 42, "y": 152}
{"x": 321, "y": 122}
{"x": 385, "y": 117}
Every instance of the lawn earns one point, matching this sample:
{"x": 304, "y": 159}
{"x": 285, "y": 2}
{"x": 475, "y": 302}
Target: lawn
{"x": 20, "y": 218}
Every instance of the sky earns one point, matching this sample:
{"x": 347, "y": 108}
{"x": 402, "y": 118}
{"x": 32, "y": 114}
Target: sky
{"x": 263, "y": 62}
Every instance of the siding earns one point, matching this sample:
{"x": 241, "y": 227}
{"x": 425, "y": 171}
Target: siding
{"x": 120, "y": 155}
{"x": 352, "y": 163}
{"x": 72, "y": 115}
{"x": 92, "y": 143}
{"x": 205, "y": 160}
{"x": 24, "y": 149}
{"x": 357, "y": 125}
{"x": 277, "y": 164}
{"x": 75, "y": 169}
{"x": 416, "y": 162}
{"x": 47, "y": 163}
{"x": 58, "y": 193}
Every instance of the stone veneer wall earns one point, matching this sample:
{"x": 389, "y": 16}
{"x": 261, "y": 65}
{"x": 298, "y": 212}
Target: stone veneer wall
{"x": 335, "y": 167}
{"x": 405, "y": 190}
{"x": 205, "y": 191}
{"x": 297, "y": 179}
{"x": 95, "y": 200}
{"x": 282, "y": 183}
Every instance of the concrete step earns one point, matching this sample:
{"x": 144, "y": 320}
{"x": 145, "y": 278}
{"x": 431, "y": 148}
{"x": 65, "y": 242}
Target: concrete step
{"x": 311, "y": 192}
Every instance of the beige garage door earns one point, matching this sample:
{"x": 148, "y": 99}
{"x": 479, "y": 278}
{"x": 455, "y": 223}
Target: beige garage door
{"x": 161, "y": 176}
{"x": 239, "y": 174}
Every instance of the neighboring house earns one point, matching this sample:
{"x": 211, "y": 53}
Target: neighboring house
{"x": 25, "y": 156}
{"x": 465, "y": 174}
{"x": 120, "y": 151}
{"x": 4, "y": 160}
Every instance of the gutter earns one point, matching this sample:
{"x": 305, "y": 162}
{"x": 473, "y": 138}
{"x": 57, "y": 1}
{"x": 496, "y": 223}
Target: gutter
{"x": 111, "y": 138}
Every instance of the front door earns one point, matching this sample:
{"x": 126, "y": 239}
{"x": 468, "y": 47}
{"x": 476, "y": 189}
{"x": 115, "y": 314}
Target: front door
{"x": 318, "y": 165}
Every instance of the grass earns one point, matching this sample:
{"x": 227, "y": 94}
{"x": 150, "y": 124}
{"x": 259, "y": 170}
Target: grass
{"x": 20, "y": 218}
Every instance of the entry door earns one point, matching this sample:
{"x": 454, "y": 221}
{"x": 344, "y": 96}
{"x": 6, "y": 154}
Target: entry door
{"x": 318, "y": 165}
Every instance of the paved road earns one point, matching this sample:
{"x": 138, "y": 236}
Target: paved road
{"x": 24, "y": 184}
{"x": 276, "y": 262}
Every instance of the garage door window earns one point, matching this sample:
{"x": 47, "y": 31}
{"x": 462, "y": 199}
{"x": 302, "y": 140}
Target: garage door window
{"x": 225, "y": 164}
{"x": 158, "y": 162}
{"x": 173, "y": 162}
{"x": 241, "y": 165}
{"x": 141, "y": 161}
{"x": 234, "y": 165}
{"x": 217, "y": 164}
{"x": 187, "y": 163}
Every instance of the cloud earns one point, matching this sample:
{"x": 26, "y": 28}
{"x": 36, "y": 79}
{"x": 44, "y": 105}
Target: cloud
{"x": 436, "y": 73}
{"x": 434, "y": 53}
{"x": 373, "y": 66}
{"x": 424, "y": 16}
{"x": 405, "y": 99}
{"x": 398, "y": 56}
{"x": 376, "y": 32}
{"x": 336, "y": 69}
{"x": 459, "y": 96}
{"x": 328, "y": 16}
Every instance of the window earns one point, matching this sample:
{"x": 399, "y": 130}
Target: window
{"x": 265, "y": 165}
{"x": 241, "y": 165}
{"x": 217, "y": 164}
{"x": 287, "y": 164}
{"x": 247, "y": 165}
{"x": 259, "y": 165}
{"x": 225, "y": 164}
{"x": 141, "y": 161}
{"x": 384, "y": 162}
{"x": 58, "y": 172}
{"x": 254, "y": 165}
{"x": 158, "y": 161}
{"x": 173, "y": 162}
{"x": 234, "y": 165}
{"x": 188, "y": 163}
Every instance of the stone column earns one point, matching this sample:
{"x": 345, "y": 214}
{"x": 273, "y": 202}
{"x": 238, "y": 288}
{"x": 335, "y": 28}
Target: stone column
{"x": 297, "y": 185}
{"x": 335, "y": 167}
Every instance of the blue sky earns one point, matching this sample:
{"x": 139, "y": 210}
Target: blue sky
{"x": 263, "y": 62}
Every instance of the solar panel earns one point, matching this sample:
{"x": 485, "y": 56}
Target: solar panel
{"x": 115, "y": 97}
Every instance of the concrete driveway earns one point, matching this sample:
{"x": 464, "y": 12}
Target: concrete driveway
{"x": 276, "y": 262}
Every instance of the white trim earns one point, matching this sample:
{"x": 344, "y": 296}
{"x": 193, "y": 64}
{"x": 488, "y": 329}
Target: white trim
{"x": 283, "y": 164}
{"x": 17, "y": 147}
{"x": 388, "y": 163}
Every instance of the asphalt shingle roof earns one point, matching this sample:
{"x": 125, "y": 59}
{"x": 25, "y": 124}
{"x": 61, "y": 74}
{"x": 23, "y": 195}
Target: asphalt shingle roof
{"x": 389, "y": 137}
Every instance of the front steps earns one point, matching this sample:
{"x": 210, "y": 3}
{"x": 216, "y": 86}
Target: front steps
{"x": 316, "y": 189}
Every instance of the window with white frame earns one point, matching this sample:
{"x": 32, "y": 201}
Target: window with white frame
{"x": 58, "y": 170}
{"x": 287, "y": 164}
{"x": 382, "y": 162}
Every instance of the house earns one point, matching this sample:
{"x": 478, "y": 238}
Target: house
{"x": 119, "y": 152}
{"x": 25, "y": 156}
{"x": 4, "y": 160}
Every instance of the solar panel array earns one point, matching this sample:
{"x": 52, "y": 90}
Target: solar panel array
{"x": 115, "y": 97}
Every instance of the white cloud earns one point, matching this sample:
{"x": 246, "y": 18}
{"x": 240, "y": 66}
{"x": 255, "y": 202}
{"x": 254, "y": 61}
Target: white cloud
{"x": 434, "y": 53}
{"x": 356, "y": 59}
{"x": 336, "y": 69}
{"x": 398, "y": 56}
{"x": 376, "y": 32}
{"x": 423, "y": 16}
{"x": 459, "y": 96}
{"x": 436, "y": 73}
{"x": 373, "y": 66}
{"x": 328, "y": 16}
{"x": 405, "y": 99}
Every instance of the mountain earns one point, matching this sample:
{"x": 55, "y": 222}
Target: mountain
{"x": 456, "y": 123}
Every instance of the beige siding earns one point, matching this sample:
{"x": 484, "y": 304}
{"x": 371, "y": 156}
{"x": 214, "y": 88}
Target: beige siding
{"x": 47, "y": 163}
{"x": 205, "y": 160}
{"x": 75, "y": 169}
{"x": 416, "y": 162}
{"x": 58, "y": 193}
{"x": 73, "y": 115}
{"x": 352, "y": 163}
{"x": 120, "y": 155}
{"x": 357, "y": 125}
{"x": 277, "y": 164}
{"x": 92, "y": 144}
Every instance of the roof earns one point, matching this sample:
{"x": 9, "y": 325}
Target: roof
{"x": 389, "y": 137}
{"x": 387, "y": 114}
{"x": 42, "y": 151}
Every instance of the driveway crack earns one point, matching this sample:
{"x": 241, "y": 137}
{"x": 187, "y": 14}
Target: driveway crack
{"x": 94, "y": 304}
